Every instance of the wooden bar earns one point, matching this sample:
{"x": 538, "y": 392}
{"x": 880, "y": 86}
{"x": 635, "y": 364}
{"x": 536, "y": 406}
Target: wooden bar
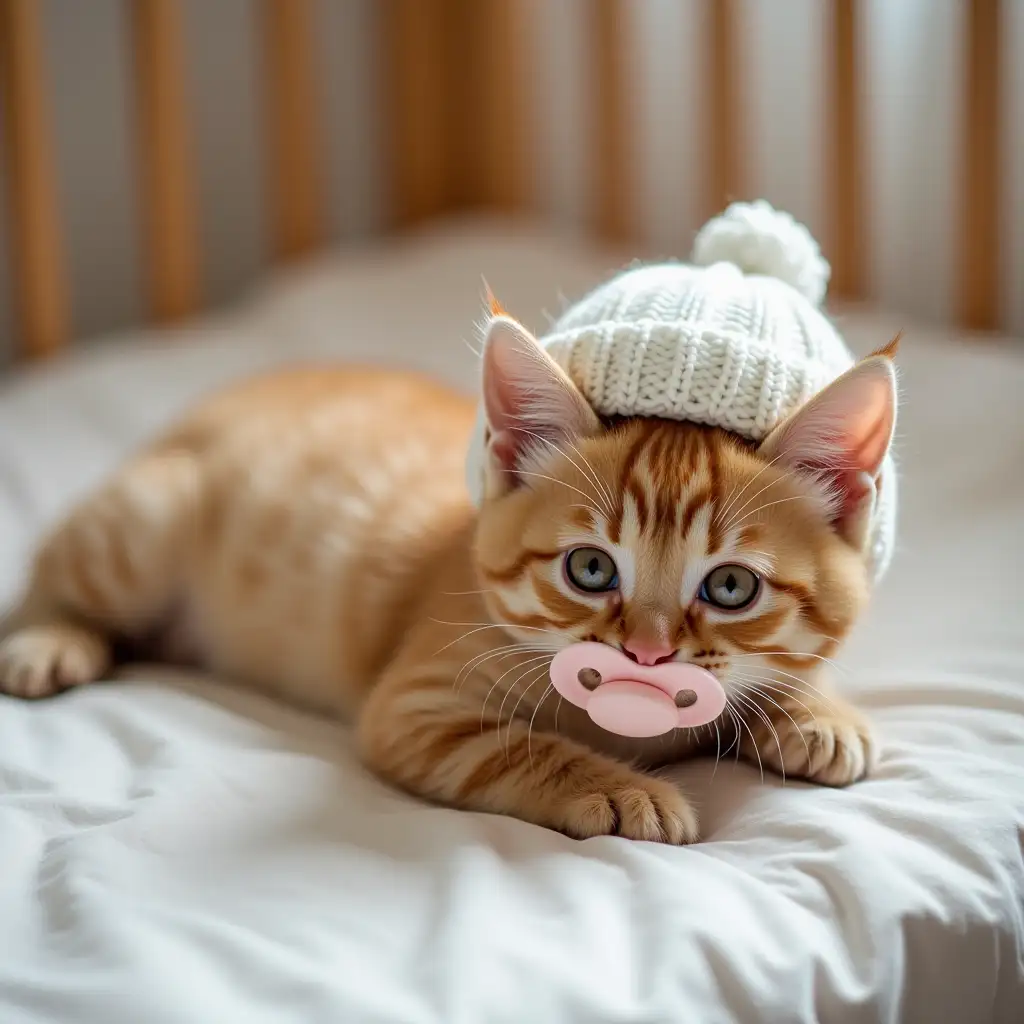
{"x": 294, "y": 129}
{"x": 609, "y": 103}
{"x": 463, "y": 135}
{"x": 170, "y": 212}
{"x": 40, "y": 290}
{"x": 418, "y": 124}
{"x": 723, "y": 113}
{"x": 845, "y": 161}
{"x": 982, "y": 161}
{"x": 492, "y": 102}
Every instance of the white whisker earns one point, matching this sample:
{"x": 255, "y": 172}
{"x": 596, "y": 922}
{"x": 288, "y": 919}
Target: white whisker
{"x": 483, "y": 707}
{"x": 761, "y": 508}
{"x": 528, "y": 663}
{"x": 529, "y": 732}
{"x": 589, "y": 475}
{"x": 736, "y": 726}
{"x": 790, "y": 654}
{"x": 492, "y": 651}
{"x": 496, "y": 625}
{"x": 508, "y": 690}
{"x": 498, "y": 652}
{"x": 754, "y": 742}
{"x": 459, "y": 639}
{"x": 812, "y": 691}
{"x": 731, "y": 501}
{"x": 718, "y": 750}
{"x": 511, "y": 718}
{"x": 605, "y": 490}
{"x": 764, "y": 696}
{"x": 786, "y": 689}
{"x": 760, "y": 684}
{"x": 555, "y": 480}
{"x": 767, "y": 721}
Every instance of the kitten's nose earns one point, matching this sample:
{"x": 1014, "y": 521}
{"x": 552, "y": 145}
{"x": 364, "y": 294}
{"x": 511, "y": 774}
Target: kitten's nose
{"x": 646, "y": 652}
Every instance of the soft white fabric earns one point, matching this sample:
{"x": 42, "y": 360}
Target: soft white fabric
{"x": 175, "y": 851}
{"x": 734, "y": 339}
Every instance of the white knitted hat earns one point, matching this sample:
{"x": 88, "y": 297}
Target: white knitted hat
{"x": 734, "y": 340}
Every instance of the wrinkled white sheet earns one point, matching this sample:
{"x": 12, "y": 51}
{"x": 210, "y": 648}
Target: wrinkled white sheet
{"x": 172, "y": 850}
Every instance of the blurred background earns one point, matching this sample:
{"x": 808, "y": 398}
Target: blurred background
{"x": 160, "y": 157}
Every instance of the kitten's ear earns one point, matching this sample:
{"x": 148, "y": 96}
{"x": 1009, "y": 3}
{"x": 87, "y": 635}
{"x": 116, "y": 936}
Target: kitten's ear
{"x": 530, "y": 403}
{"x": 842, "y": 436}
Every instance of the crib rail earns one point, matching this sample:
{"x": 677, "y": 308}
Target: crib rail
{"x": 294, "y": 130}
{"x": 456, "y": 134}
{"x": 41, "y": 282}
{"x": 845, "y": 172}
{"x": 982, "y": 160}
{"x": 166, "y": 171}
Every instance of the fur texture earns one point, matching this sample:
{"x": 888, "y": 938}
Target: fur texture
{"x": 309, "y": 533}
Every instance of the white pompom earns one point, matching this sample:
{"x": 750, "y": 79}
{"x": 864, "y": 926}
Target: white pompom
{"x": 762, "y": 240}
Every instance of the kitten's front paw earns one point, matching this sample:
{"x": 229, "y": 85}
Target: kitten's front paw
{"x": 832, "y": 750}
{"x": 636, "y": 807}
{"x": 42, "y": 660}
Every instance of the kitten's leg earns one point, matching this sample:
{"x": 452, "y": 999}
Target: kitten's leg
{"x": 814, "y": 734}
{"x": 110, "y": 568}
{"x": 418, "y": 734}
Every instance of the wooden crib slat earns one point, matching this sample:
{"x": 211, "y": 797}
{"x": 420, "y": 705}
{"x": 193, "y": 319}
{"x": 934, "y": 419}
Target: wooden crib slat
{"x": 982, "y": 158}
{"x": 418, "y": 126}
{"x": 608, "y": 24}
{"x": 170, "y": 213}
{"x": 723, "y": 111}
{"x": 845, "y": 162}
{"x": 37, "y": 254}
{"x": 491, "y": 104}
{"x": 293, "y": 129}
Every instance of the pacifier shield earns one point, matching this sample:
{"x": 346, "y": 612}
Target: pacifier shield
{"x": 635, "y": 700}
{"x": 633, "y": 709}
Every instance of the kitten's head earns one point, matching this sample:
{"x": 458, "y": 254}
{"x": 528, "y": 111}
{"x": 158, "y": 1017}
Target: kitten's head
{"x": 675, "y": 541}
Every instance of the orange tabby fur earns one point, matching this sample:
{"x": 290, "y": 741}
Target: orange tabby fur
{"x": 309, "y": 533}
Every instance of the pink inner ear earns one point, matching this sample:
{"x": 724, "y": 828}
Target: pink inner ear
{"x": 847, "y": 488}
{"x": 869, "y": 448}
{"x": 843, "y": 434}
{"x": 849, "y": 425}
{"x": 531, "y": 404}
{"x": 505, "y": 448}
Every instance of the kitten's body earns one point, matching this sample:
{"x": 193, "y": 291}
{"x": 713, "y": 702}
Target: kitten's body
{"x": 280, "y": 534}
{"x": 310, "y": 533}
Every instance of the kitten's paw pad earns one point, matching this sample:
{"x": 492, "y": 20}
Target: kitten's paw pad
{"x": 640, "y": 808}
{"x": 43, "y": 660}
{"x": 832, "y": 752}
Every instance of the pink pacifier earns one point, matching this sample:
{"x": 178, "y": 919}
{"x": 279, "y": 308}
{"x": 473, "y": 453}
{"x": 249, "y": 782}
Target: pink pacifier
{"x": 635, "y": 700}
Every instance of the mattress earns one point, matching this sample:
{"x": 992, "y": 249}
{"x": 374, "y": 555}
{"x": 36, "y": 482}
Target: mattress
{"x": 176, "y": 850}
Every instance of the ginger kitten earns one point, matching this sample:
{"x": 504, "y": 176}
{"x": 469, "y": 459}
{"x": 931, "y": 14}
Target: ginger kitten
{"x": 309, "y": 532}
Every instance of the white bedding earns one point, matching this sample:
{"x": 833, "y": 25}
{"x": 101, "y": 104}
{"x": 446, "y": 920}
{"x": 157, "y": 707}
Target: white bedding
{"x": 174, "y": 850}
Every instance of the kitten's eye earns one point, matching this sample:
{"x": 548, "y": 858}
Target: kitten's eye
{"x": 591, "y": 569}
{"x": 730, "y": 587}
